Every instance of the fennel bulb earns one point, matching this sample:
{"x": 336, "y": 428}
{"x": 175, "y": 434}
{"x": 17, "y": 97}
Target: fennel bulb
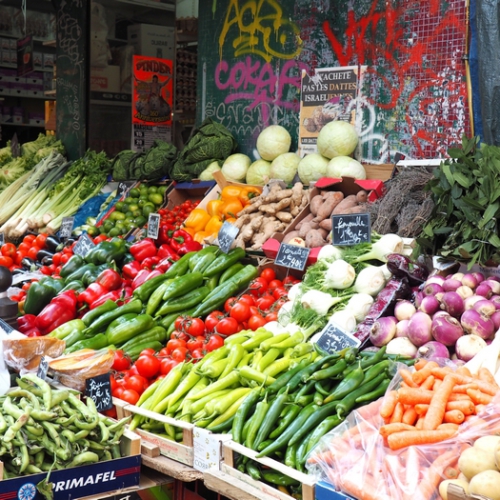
{"x": 344, "y": 319}
{"x": 318, "y": 301}
{"x": 370, "y": 280}
{"x": 295, "y": 291}
{"x": 387, "y": 244}
{"x": 359, "y": 305}
{"x": 330, "y": 252}
{"x": 340, "y": 275}
{"x": 285, "y": 313}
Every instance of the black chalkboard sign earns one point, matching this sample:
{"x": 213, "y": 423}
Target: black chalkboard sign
{"x": 66, "y": 227}
{"x": 6, "y": 327}
{"x": 99, "y": 389}
{"x": 123, "y": 187}
{"x": 84, "y": 245}
{"x": 2, "y": 239}
{"x": 333, "y": 339}
{"x": 43, "y": 368}
{"x": 292, "y": 256}
{"x": 226, "y": 236}
{"x": 351, "y": 229}
{"x": 153, "y": 226}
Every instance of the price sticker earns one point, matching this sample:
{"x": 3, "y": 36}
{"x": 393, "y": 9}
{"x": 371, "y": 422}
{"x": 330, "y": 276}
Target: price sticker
{"x": 153, "y": 226}
{"x": 99, "y": 389}
{"x": 123, "y": 187}
{"x": 292, "y": 256}
{"x": 334, "y": 339}
{"x": 351, "y": 229}
{"x": 84, "y": 245}
{"x": 43, "y": 368}
{"x": 66, "y": 227}
{"x": 226, "y": 236}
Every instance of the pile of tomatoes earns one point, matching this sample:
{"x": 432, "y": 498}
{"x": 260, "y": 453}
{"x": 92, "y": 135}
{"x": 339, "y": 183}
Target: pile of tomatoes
{"x": 12, "y": 256}
{"x": 177, "y": 215}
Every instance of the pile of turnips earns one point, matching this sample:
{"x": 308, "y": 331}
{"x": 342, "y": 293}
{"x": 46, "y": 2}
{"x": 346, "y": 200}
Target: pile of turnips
{"x": 451, "y": 317}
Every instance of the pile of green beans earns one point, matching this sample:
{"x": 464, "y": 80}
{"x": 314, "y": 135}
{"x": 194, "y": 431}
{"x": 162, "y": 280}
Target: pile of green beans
{"x": 43, "y": 429}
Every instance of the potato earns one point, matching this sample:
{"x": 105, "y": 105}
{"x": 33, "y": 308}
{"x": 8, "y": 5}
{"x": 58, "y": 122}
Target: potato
{"x": 472, "y": 461}
{"x": 443, "y": 487}
{"x": 486, "y": 483}
{"x": 488, "y": 444}
{"x": 461, "y": 477}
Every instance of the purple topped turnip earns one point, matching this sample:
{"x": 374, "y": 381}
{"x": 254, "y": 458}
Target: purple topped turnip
{"x": 419, "y": 329}
{"x": 446, "y": 330}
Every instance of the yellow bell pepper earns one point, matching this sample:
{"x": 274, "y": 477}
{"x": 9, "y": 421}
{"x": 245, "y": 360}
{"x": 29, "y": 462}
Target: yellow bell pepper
{"x": 197, "y": 219}
{"x": 214, "y": 207}
{"x": 213, "y": 225}
{"x": 231, "y": 207}
{"x": 231, "y": 192}
{"x": 200, "y": 236}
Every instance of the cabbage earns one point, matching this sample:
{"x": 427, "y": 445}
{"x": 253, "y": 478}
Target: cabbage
{"x": 207, "y": 174}
{"x": 345, "y": 166}
{"x": 259, "y": 173}
{"x": 235, "y": 167}
{"x": 273, "y": 141}
{"x": 312, "y": 167}
{"x": 284, "y": 167}
{"x": 337, "y": 138}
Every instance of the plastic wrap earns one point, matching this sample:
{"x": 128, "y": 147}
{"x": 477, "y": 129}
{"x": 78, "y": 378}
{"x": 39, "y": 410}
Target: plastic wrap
{"x": 355, "y": 459}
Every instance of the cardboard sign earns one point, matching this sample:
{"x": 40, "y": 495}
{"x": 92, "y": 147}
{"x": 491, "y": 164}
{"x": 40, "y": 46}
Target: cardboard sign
{"x": 334, "y": 339}
{"x": 84, "y": 245}
{"x": 43, "y": 368}
{"x": 292, "y": 256}
{"x": 226, "y": 236}
{"x": 206, "y": 449}
{"x": 153, "y": 226}
{"x": 99, "y": 389}
{"x": 351, "y": 229}
{"x": 66, "y": 227}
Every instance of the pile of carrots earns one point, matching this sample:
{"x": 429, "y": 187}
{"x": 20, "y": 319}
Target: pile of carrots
{"x": 432, "y": 402}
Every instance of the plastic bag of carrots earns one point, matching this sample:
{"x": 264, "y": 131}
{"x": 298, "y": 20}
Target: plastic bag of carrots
{"x": 403, "y": 445}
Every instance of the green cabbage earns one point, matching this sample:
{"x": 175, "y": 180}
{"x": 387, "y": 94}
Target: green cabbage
{"x": 259, "y": 173}
{"x": 337, "y": 138}
{"x": 345, "y": 166}
{"x": 312, "y": 167}
{"x": 273, "y": 141}
{"x": 284, "y": 167}
{"x": 235, "y": 167}
{"x": 207, "y": 174}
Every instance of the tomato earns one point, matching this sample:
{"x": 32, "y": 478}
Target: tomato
{"x": 120, "y": 361}
{"x": 64, "y": 258}
{"x": 29, "y": 239}
{"x": 194, "y": 327}
{"x": 148, "y": 365}
{"x": 277, "y": 305}
{"x": 179, "y": 354}
{"x": 163, "y": 352}
{"x": 290, "y": 281}
{"x": 133, "y": 371}
{"x": 214, "y": 342}
{"x": 272, "y": 316}
{"x": 240, "y": 311}
{"x": 24, "y": 248}
{"x": 227, "y": 326}
{"x": 118, "y": 392}
{"x": 230, "y": 303}
{"x": 256, "y": 321}
{"x": 130, "y": 396}
{"x": 9, "y": 250}
{"x": 265, "y": 302}
{"x": 280, "y": 292}
{"x": 176, "y": 334}
{"x": 195, "y": 343}
{"x": 40, "y": 240}
{"x": 268, "y": 274}
{"x": 149, "y": 350}
{"x": 174, "y": 344}
{"x": 110, "y": 413}
{"x": 248, "y": 299}
{"x": 166, "y": 365}
{"x": 197, "y": 354}
{"x": 178, "y": 323}
{"x": 212, "y": 320}
{"x": 32, "y": 252}
{"x": 6, "y": 261}
{"x": 56, "y": 258}
{"x": 258, "y": 287}
{"x": 136, "y": 383}
{"x": 273, "y": 285}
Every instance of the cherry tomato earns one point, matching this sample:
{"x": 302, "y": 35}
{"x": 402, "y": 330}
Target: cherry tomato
{"x": 174, "y": 344}
{"x": 176, "y": 334}
{"x": 40, "y": 240}
{"x": 24, "y": 248}
{"x": 163, "y": 352}
{"x": 212, "y": 320}
{"x": 227, "y": 326}
{"x": 56, "y": 258}
{"x": 265, "y": 302}
{"x": 133, "y": 371}
{"x": 290, "y": 281}
{"x": 280, "y": 292}
{"x": 32, "y": 252}
{"x": 248, "y": 299}
{"x": 258, "y": 287}
{"x": 166, "y": 365}
{"x": 273, "y": 285}
{"x": 195, "y": 343}
{"x": 272, "y": 316}
{"x": 147, "y": 365}
{"x": 136, "y": 383}
{"x": 194, "y": 327}
{"x": 178, "y": 323}
{"x": 256, "y": 321}
{"x": 179, "y": 354}
{"x": 64, "y": 258}
{"x": 268, "y": 274}
{"x": 118, "y": 392}
{"x": 6, "y": 261}
{"x": 9, "y": 250}
{"x": 120, "y": 361}
{"x": 149, "y": 350}
{"x": 197, "y": 354}
{"x": 214, "y": 342}
{"x": 230, "y": 303}
{"x": 110, "y": 413}
{"x": 240, "y": 312}
{"x": 130, "y": 396}
{"x": 29, "y": 239}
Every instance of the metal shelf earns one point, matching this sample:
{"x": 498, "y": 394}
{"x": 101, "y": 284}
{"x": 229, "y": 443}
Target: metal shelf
{"x": 7, "y": 124}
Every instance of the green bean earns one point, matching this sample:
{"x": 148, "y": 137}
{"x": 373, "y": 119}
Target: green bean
{"x": 3, "y": 424}
{"x": 65, "y": 421}
{"x": 11, "y": 409}
{"x": 45, "y": 388}
{"x": 25, "y": 458}
{"x": 11, "y": 432}
{"x": 52, "y": 432}
{"x": 80, "y": 406}
{"x": 35, "y": 430}
{"x": 115, "y": 450}
{"x": 86, "y": 425}
{"x": 59, "y": 396}
{"x": 104, "y": 432}
{"x": 39, "y": 458}
{"x": 22, "y": 393}
{"x": 29, "y": 387}
{"x": 82, "y": 434}
{"x": 33, "y": 469}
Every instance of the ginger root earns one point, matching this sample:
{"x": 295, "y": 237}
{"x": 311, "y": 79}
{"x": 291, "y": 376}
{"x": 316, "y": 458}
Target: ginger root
{"x": 274, "y": 208}
{"x": 284, "y": 217}
{"x": 269, "y": 229}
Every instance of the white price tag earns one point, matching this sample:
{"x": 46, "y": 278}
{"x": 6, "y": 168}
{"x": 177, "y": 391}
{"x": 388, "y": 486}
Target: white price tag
{"x": 207, "y": 450}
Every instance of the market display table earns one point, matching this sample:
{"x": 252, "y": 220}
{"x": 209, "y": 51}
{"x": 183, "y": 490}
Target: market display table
{"x": 172, "y": 468}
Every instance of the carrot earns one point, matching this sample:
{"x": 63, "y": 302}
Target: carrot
{"x": 409, "y": 396}
{"x": 469, "y": 417}
{"x": 420, "y": 423}
{"x": 388, "y": 404}
{"x": 410, "y": 416}
{"x": 453, "y": 417}
{"x": 466, "y": 407}
{"x": 395, "y": 468}
{"x": 441, "y": 372}
{"x": 404, "y": 384}
{"x": 387, "y": 430}
{"x": 437, "y": 383}
{"x": 428, "y": 383}
{"x": 462, "y": 389}
{"x": 352, "y": 485}
{"x": 459, "y": 397}
{"x": 486, "y": 376}
{"x": 447, "y": 427}
{"x": 451, "y": 472}
{"x": 421, "y": 409}
{"x": 420, "y": 363}
{"x": 412, "y": 463}
{"x": 419, "y": 376}
{"x": 407, "y": 377}
{"x": 437, "y": 407}
{"x": 479, "y": 409}
{"x": 397, "y": 415}
{"x": 432, "y": 478}
{"x": 403, "y": 439}
{"x": 463, "y": 370}
{"x": 478, "y": 397}
{"x": 483, "y": 386}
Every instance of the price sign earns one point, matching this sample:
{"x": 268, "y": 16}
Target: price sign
{"x": 99, "y": 389}
{"x": 2, "y": 239}
{"x": 123, "y": 187}
{"x": 153, "y": 226}
{"x": 6, "y": 327}
{"x": 351, "y": 229}
{"x": 292, "y": 256}
{"x": 66, "y": 227}
{"x": 84, "y": 245}
{"x": 43, "y": 368}
{"x": 334, "y": 339}
{"x": 226, "y": 236}
{"x": 207, "y": 449}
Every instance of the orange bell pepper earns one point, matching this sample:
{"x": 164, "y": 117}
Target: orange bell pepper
{"x": 213, "y": 225}
{"x": 249, "y": 192}
{"x": 231, "y": 207}
{"x": 189, "y": 230}
{"x": 231, "y": 220}
{"x": 200, "y": 236}
{"x": 197, "y": 219}
{"x": 214, "y": 207}
{"x": 231, "y": 192}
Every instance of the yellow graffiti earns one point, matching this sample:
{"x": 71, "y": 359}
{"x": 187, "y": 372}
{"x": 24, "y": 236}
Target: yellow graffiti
{"x": 261, "y": 34}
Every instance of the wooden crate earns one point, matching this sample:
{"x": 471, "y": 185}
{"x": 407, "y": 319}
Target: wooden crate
{"x": 180, "y": 452}
{"x": 231, "y": 448}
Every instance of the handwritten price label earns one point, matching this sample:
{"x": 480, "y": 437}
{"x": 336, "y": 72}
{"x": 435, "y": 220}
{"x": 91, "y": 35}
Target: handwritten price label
{"x": 99, "y": 389}
{"x": 84, "y": 245}
{"x": 153, "y": 226}
{"x": 43, "y": 368}
{"x": 123, "y": 187}
{"x": 292, "y": 256}
{"x": 226, "y": 236}
{"x": 66, "y": 227}
{"x": 351, "y": 229}
{"x": 334, "y": 339}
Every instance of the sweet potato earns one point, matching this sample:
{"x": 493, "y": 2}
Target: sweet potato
{"x": 323, "y": 232}
{"x": 326, "y": 224}
{"x": 315, "y": 204}
{"x": 305, "y": 228}
{"x": 330, "y": 202}
{"x": 314, "y": 239}
{"x": 362, "y": 196}
{"x": 346, "y": 204}
{"x": 290, "y": 236}
{"x": 305, "y": 220}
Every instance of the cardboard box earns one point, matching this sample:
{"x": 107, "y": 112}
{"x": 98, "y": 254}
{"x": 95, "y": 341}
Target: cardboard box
{"x": 48, "y": 61}
{"x": 105, "y": 79}
{"x": 37, "y": 60}
{"x": 152, "y": 40}
{"x": 195, "y": 190}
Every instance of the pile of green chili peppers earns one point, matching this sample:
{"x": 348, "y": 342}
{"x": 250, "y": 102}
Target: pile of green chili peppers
{"x": 43, "y": 429}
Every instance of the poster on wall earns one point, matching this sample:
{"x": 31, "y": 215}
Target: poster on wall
{"x": 326, "y": 95}
{"x": 152, "y": 99}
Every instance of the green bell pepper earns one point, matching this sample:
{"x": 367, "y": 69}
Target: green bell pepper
{"x": 41, "y": 293}
{"x": 73, "y": 264}
{"x": 107, "y": 251}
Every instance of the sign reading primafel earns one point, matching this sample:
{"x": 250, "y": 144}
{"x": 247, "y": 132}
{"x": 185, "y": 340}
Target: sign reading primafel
{"x": 152, "y": 98}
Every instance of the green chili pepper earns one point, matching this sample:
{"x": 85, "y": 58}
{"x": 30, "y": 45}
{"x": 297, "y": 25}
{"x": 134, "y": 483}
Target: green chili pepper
{"x": 375, "y": 394}
{"x": 242, "y": 413}
{"x": 260, "y": 414}
{"x": 350, "y": 382}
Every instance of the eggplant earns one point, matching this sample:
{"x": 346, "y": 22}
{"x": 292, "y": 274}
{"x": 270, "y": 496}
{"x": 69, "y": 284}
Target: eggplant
{"x": 43, "y": 253}
{"x": 46, "y": 261}
{"x": 52, "y": 242}
{"x": 29, "y": 264}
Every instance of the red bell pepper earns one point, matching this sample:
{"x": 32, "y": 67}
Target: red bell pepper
{"x": 131, "y": 269}
{"x": 164, "y": 265}
{"x": 26, "y": 323}
{"x": 179, "y": 237}
{"x": 165, "y": 234}
{"x": 143, "y": 249}
{"x": 167, "y": 251}
{"x": 189, "y": 246}
{"x": 113, "y": 295}
{"x": 143, "y": 276}
{"x": 34, "y": 332}
{"x": 92, "y": 293}
{"x": 109, "y": 279}
{"x": 60, "y": 310}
